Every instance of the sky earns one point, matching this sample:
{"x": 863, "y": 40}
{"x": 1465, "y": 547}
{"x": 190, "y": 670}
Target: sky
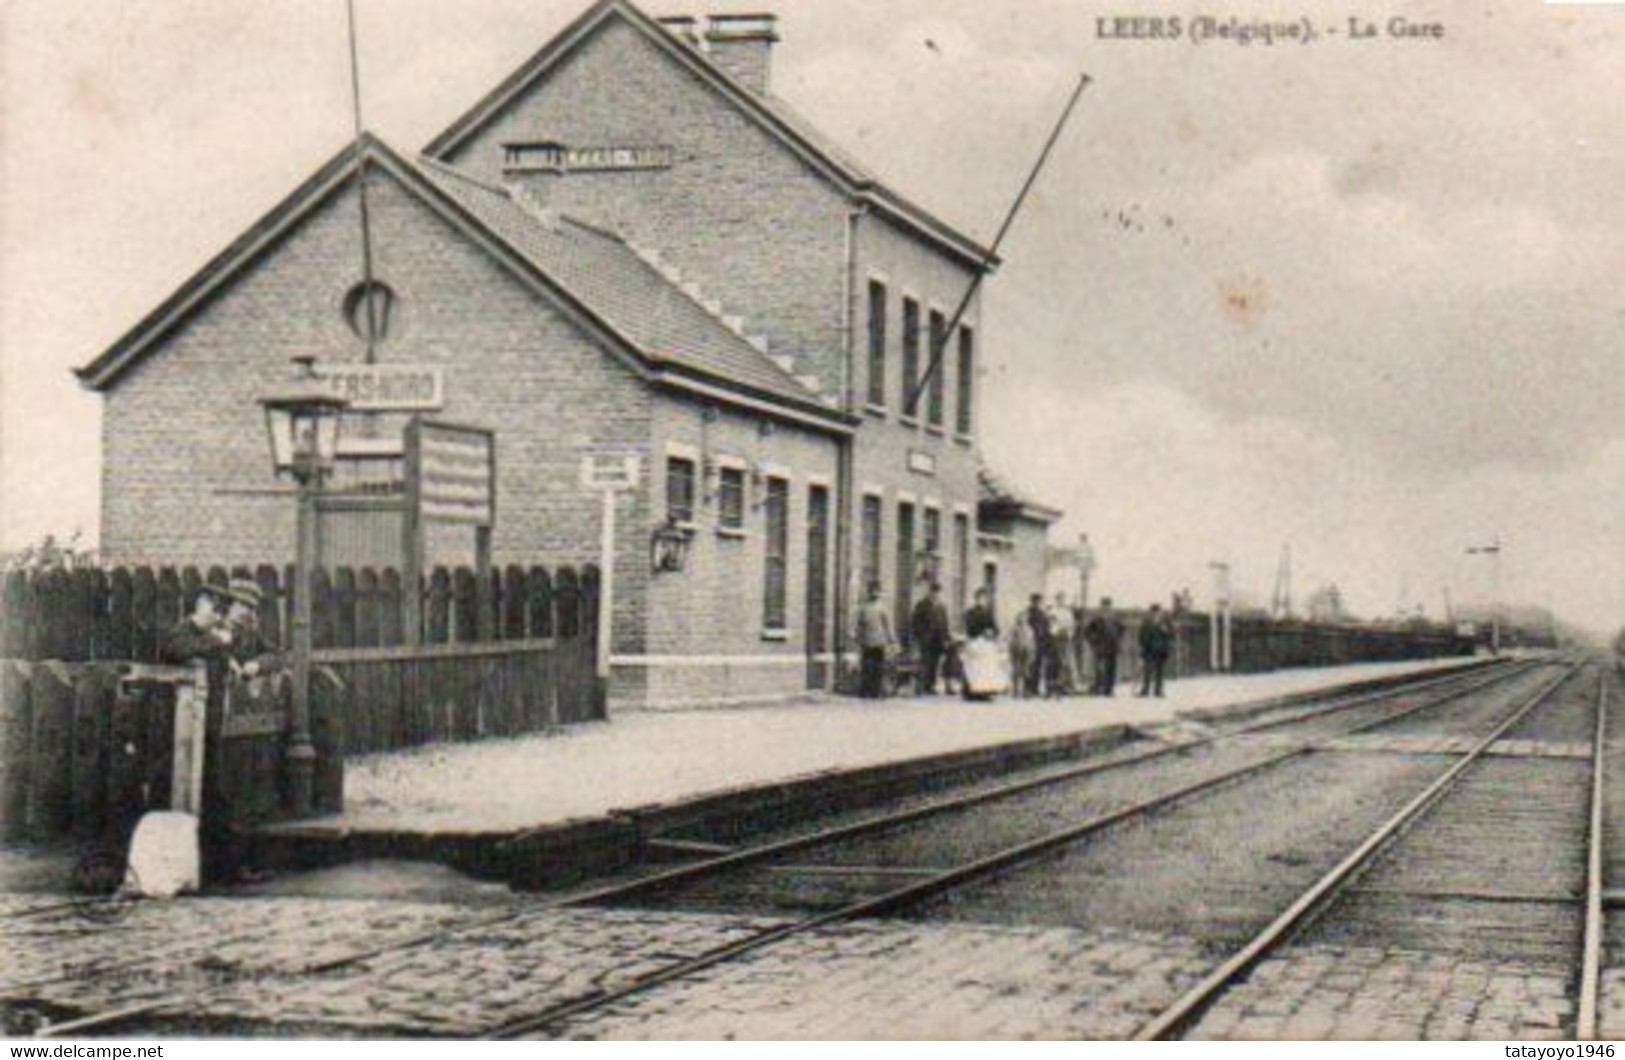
{"x": 1362, "y": 297}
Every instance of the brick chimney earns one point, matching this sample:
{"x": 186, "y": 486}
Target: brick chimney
{"x": 742, "y": 45}
{"x": 684, "y": 27}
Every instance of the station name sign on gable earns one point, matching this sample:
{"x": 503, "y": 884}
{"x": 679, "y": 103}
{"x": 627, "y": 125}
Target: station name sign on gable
{"x": 386, "y": 387}
{"x": 557, "y": 158}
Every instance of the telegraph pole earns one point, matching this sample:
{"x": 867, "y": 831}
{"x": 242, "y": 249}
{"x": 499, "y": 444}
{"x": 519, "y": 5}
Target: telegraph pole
{"x": 939, "y": 345}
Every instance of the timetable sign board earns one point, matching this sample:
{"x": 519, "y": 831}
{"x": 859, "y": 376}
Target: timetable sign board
{"x": 451, "y": 473}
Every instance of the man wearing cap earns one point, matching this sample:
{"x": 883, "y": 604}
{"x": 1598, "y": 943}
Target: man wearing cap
{"x": 204, "y": 635}
{"x": 929, "y": 624}
{"x": 250, "y": 655}
{"x": 1105, "y": 635}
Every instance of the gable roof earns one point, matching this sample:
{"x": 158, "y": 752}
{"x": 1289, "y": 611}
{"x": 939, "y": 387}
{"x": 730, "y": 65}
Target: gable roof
{"x": 600, "y": 282}
{"x": 772, "y": 114}
{"x": 998, "y": 499}
{"x": 666, "y": 324}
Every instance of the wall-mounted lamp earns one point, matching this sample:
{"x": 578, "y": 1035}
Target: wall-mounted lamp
{"x": 670, "y": 547}
{"x": 927, "y": 566}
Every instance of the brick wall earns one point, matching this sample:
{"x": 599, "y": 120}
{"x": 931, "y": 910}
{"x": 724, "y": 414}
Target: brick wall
{"x": 183, "y": 436}
{"x": 1022, "y": 565}
{"x": 712, "y": 611}
{"x": 762, "y": 233}
{"x": 742, "y": 218}
{"x": 909, "y": 267}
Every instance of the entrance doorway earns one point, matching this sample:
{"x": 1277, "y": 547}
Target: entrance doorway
{"x": 818, "y": 668}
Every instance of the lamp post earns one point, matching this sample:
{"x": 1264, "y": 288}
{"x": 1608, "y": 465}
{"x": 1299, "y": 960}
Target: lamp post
{"x": 1086, "y": 567}
{"x": 1494, "y": 552}
{"x": 303, "y": 422}
{"x": 1219, "y": 628}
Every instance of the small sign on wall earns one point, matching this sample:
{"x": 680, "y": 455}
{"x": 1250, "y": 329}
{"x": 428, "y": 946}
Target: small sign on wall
{"x": 921, "y": 462}
{"x": 609, "y": 471}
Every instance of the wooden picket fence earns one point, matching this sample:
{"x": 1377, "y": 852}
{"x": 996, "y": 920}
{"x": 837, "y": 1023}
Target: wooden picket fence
{"x": 124, "y": 613}
{"x": 84, "y": 751}
{"x": 87, "y": 748}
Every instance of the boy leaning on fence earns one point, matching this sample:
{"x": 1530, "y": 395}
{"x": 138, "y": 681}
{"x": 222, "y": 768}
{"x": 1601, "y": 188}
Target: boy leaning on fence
{"x": 222, "y": 633}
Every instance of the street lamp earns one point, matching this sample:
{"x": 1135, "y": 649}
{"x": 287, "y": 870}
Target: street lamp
{"x": 1494, "y": 552}
{"x": 670, "y": 546}
{"x": 1086, "y": 567}
{"x": 303, "y": 422}
{"x": 1219, "y": 627}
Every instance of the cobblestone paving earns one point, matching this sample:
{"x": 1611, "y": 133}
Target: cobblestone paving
{"x": 106, "y": 955}
{"x": 476, "y": 980}
{"x": 240, "y": 964}
{"x": 243, "y": 963}
{"x": 1339, "y": 993}
{"x": 893, "y": 980}
{"x": 1611, "y": 1004}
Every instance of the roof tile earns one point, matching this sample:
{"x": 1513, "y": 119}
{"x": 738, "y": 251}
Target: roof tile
{"x": 663, "y": 322}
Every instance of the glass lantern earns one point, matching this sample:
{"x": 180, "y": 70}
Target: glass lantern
{"x": 304, "y": 422}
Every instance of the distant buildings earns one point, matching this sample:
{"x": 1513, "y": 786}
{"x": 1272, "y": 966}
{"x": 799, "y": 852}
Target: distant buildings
{"x": 1325, "y": 604}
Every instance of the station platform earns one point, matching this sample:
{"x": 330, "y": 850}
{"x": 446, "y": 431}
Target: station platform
{"x": 473, "y": 805}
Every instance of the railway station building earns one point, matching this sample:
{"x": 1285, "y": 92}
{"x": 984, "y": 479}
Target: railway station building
{"x": 629, "y": 249}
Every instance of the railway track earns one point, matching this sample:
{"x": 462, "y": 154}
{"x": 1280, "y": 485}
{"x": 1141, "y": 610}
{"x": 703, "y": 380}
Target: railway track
{"x": 1320, "y": 897}
{"x": 1448, "y": 689}
{"x": 899, "y": 899}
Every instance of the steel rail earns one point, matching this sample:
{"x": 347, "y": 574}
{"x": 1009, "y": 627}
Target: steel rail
{"x": 1468, "y": 682}
{"x": 1196, "y": 1001}
{"x": 88, "y": 902}
{"x": 937, "y": 884}
{"x": 1591, "y": 947}
{"x": 1464, "y": 684}
{"x": 937, "y": 807}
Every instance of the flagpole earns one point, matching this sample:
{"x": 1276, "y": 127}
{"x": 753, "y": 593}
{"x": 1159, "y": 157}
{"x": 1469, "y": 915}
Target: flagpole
{"x": 361, "y": 187}
{"x": 940, "y": 342}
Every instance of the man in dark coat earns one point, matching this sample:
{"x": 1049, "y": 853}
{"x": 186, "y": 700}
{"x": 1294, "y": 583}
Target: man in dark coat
{"x": 222, "y": 634}
{"x": 1037, "y": 620}
{"x": 1105, "y": 636}
{"x": 1156, "y": 643}
{"x": 204, "y": 636}
{"x": 929, "y": 625}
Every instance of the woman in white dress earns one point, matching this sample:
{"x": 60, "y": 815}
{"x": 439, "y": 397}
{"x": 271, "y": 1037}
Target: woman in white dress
{"x": 985, "y": 675}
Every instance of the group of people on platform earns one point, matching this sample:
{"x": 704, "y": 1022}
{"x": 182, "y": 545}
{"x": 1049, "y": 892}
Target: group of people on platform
{"x": 1044, "y": 653}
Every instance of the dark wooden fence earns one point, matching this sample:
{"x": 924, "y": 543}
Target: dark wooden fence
{"x": 1260, "y": 645}
{"x": 87, "y": 748}
{"x": 123, "y": 613}
{"x": 84, "y": 751}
